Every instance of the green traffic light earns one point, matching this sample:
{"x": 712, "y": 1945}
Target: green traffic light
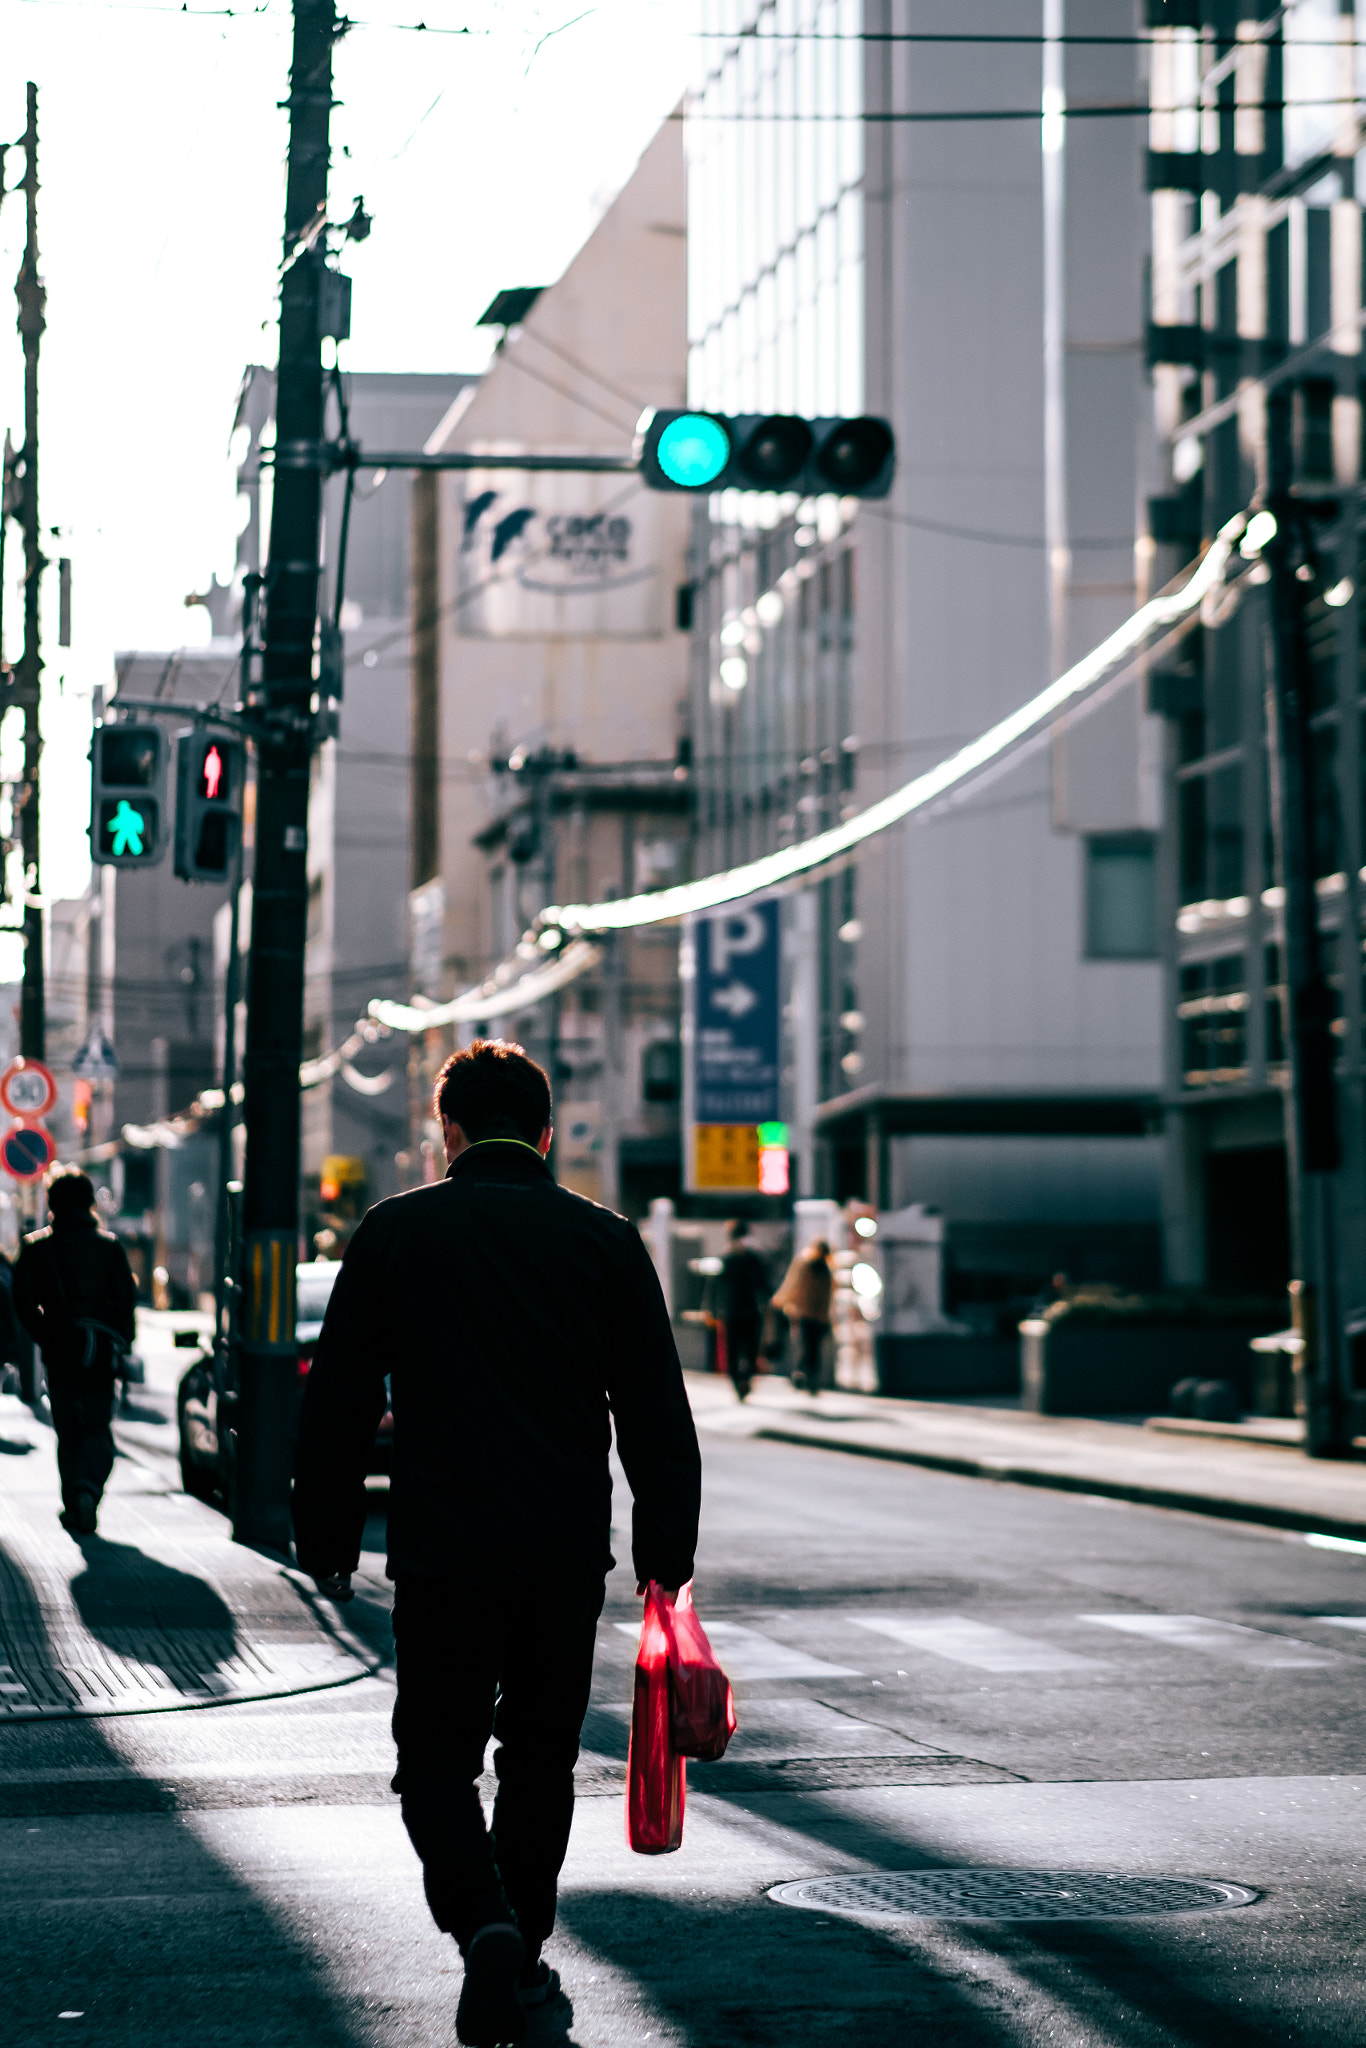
{"x": 693, "y": 450}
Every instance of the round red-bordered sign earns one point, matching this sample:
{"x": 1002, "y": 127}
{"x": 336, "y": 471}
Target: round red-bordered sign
{"x": 27, "y": 1089}
{"x": 26, "y": 1151}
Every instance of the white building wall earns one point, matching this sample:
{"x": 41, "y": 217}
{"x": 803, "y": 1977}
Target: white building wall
{"x": 970, "y": 974}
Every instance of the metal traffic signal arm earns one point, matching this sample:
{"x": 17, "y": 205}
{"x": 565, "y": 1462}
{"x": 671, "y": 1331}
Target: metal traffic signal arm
{"x": 695, "y": 451}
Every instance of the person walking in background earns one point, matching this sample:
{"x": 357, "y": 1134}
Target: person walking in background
{"x": 517, "y": 1322}
{"x": 74, "y": 1294}
{"x": 744, "y": 1290}
{"x": 805, "y": 1297}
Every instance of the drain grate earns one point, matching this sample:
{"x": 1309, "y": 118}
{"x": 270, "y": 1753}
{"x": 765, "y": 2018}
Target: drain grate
{"x": 1011, "y": 1894}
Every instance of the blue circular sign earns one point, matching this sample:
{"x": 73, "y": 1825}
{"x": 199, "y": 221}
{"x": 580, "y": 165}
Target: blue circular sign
{"x": 693, "y": 450}
{"x": 26, "y": 1151}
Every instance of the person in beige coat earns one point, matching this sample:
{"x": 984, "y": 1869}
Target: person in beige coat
{"x": 805, "y": 1298}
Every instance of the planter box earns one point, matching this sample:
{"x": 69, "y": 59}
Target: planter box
{"x": 946, "y": 1368}
{"x": 1117, "y": 1368}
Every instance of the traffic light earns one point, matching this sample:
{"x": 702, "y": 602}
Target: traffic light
{"x": 210, "y": 774}
{"x": 712, "y": 451}
{"x": 127, "y": 778}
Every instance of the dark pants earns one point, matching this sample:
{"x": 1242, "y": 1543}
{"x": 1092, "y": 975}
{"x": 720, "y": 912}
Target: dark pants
{"x": 813, "y": 1334}
{"x": 82, "y": 1403}
{"x": 742, "y": 1350}
{"x": 516, "y": 1662}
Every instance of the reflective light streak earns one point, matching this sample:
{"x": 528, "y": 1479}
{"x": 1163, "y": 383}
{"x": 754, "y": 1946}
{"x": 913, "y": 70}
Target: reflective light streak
{"x": 478, "y": 1005}
{"x": 493, "y": 998}
{"x": 733, "y": 884}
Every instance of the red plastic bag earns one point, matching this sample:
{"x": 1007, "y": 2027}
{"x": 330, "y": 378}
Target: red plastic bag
{"x": 701, "y": 1703}
{"x": 655, "y": 1772}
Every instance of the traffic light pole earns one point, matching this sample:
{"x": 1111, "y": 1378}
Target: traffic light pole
{"x": 1313, "y": 1152}
{"x": 32, "y": 298}
{"x": 280, "y": 716}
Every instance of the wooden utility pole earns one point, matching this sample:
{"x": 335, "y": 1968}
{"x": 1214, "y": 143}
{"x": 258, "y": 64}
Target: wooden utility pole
{"x": 281, "y": 721}
{"x": 32, "y": 299}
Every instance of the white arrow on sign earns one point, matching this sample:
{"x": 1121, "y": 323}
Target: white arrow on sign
{"x": 735, "y": 997}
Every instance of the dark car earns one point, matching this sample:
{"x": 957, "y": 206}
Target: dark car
{"x": 204, "y": 1404}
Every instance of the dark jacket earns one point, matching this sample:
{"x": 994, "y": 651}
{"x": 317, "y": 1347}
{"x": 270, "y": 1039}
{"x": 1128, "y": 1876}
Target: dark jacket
{"x": 512, "y": 1316}
{"x": 70, "y": 1271}
{"x": 744, "y": 1285}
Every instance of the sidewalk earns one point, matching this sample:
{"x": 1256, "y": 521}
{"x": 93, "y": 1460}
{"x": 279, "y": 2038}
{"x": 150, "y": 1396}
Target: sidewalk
{"x": 160, "y": 1609}
{"x": 1243, "y": 1480}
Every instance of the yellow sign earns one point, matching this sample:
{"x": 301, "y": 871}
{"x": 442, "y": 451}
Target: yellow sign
{"x": 727, "y": 1157}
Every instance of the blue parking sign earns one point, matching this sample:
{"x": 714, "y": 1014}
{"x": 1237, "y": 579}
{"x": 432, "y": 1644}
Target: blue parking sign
{"x": 735, "y": 1040}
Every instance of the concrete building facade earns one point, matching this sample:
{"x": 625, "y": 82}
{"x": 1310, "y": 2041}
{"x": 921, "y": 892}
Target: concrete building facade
{"x": 550, "y": 678}
{"x": 973, "y": 1001}
{"x": 1258, "y": 311}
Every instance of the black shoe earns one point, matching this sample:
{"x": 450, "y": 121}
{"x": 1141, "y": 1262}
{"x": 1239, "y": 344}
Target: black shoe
{"x": 85, "y": 1513}
{"x": 490, "y": 2013}
{"x": 538, "y": 1984}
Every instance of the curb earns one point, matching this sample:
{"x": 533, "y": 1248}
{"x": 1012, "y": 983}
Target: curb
{"x": 1216, "y": 1505}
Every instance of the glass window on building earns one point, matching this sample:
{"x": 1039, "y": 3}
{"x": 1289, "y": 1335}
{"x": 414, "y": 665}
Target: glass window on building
{"x": 1121, "y": 897}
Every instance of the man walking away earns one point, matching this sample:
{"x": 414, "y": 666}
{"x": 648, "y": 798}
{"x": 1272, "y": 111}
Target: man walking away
{"x": 516, "y": 1321}
{"x": 74, "y": 1294}
{"x": 744, "y": 1290}
{"x": 805, "y": 1296}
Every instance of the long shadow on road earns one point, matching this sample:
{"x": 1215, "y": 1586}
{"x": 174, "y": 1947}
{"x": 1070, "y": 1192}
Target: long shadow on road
{"x": 756, "y": 1974}
{"x": 127, "y": 1917}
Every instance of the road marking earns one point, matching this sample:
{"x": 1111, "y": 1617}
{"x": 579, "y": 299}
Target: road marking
{"x": 1357, "y": 1621}
{"x": 977, "y": 1643}
{"x": 1229, "y": 1639}
{"x": 746, "y": 1653}
{"x": 1321, "y": 1542}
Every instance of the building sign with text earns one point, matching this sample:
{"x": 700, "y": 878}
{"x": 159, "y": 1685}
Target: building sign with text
{"x": 735, "y": 1050}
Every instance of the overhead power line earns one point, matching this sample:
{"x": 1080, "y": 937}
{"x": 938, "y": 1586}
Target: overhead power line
{"x": 516, "y": 986}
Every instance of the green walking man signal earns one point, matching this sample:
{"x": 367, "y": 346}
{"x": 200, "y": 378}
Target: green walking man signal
{"x": 712, "y": 451}
{"x": 127, "y": 830}
{"x": 127, "y": 778}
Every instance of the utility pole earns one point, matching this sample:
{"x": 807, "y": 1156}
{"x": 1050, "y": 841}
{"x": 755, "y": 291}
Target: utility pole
{"x": 1313, "y": 1152}
{"x": 32, "y": 299}
{"x": 281, "y": 719}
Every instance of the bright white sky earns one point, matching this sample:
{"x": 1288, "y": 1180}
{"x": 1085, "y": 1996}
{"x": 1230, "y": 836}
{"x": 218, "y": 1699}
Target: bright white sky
{"x": 485, "y": 160}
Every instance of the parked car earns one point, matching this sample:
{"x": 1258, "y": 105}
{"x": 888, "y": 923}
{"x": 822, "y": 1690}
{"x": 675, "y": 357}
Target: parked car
{"x": 205, "y": 1404}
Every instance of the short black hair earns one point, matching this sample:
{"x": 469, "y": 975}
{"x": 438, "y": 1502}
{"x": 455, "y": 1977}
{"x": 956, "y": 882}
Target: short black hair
{"x": 68, "y": 1194}
{"x": 493, "y": 1090}
{"x": 739, "y": 1230}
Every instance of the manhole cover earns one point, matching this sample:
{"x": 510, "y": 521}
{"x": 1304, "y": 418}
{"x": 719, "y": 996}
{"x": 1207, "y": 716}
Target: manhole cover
{"x": 1010, "y": 1894}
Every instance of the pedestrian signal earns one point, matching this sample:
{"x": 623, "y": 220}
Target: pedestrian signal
{"x": 709, "y": 451}
{"x": 127, "y": 776}
{"x": 211, "y": 771}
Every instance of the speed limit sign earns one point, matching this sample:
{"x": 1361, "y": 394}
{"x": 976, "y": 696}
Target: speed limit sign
{"x": 27, "y": 1089}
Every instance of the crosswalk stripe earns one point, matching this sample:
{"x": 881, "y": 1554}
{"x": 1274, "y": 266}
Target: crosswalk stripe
{"x": 1228, "y": 1639}
{"x": 1356, "y": 1621}
{"x": 747, "y": 1653}
{"x": 978, "y": 1643}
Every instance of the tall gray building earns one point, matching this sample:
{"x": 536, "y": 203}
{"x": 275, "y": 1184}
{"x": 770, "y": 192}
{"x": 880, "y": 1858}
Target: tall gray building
{"x": 1258, "y": 313}
{"x": 974, "y": 1001}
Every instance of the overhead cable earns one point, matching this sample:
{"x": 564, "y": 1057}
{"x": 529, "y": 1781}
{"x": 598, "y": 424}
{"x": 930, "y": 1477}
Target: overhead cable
{"x": 732, "y": 885}
{"x": 494, "y": 997}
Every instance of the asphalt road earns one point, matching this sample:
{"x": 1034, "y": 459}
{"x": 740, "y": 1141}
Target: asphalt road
{"x": 932, "y": 1674}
